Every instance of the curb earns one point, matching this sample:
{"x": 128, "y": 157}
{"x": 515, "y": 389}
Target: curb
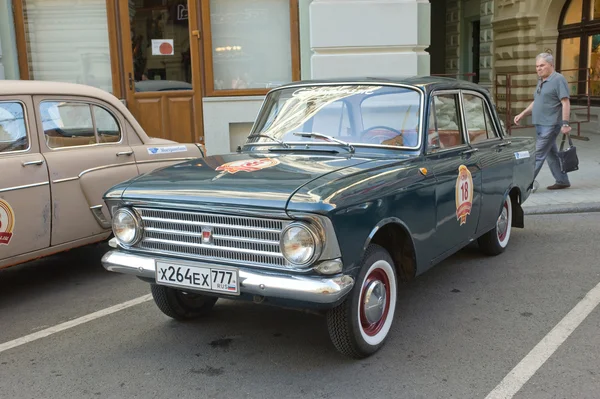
{"x": 582, "y": 207}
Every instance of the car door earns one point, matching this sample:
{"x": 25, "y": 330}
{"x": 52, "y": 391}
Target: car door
{"x": 24, "y": 187}
{"x": 87, "y": 152}
{"x": 455, "y": 165}
{"x": 495, "y": 155}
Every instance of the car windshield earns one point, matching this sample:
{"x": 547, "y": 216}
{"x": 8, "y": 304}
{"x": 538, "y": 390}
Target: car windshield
{"x": 354, "y": 114}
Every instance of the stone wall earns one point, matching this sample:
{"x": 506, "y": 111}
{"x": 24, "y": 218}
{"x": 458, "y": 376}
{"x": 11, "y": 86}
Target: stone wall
{"x": 522, "y": 29}
{"x": 353, "y": 38}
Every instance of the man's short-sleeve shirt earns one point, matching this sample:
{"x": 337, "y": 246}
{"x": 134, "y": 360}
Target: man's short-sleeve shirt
{"x": 547, "y": 108}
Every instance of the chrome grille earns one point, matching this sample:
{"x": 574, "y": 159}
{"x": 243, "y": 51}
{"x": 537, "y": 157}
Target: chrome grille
{"x": 240, "y": 239}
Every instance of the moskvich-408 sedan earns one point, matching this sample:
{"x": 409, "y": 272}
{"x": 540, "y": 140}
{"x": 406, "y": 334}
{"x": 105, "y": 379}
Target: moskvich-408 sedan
{"x": 343, "y": 189}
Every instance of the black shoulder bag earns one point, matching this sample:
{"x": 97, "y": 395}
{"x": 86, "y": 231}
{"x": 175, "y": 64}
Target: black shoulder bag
{"x": 568, "y": 158}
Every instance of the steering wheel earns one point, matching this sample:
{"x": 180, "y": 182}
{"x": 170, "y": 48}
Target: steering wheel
{"x": 378, "y": 134}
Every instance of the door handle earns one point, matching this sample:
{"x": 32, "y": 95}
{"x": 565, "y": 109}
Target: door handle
{"x": 470, "y": 151}
{"x": 29, "y": 163}
{"x": 128, "y": 153}
{"x": 505, "y": 143}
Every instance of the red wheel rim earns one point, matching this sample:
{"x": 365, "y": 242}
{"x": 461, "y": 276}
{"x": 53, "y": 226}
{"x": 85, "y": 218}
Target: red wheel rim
{"x": 371, "y": 329}
{"x": 503, "y": 222}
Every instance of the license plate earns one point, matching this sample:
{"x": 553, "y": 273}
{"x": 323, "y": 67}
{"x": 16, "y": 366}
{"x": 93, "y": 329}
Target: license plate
{"x": 215, "y": 279}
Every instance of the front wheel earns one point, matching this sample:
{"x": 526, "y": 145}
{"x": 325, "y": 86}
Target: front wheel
{"x": 181, "y": 305}
{"x": 495, "y": 241}
{"x": 359, "y": 326}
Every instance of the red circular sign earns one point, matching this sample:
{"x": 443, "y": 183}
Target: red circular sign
{"x": 165, "y": 48}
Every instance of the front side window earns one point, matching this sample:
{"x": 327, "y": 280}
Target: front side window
{"x": 444, "y": 127}
{"x": 478, "y": 120}
{"x": 74, "y": 124}
{"x": 13, "y": 133}
{"x": 358, "y": 114}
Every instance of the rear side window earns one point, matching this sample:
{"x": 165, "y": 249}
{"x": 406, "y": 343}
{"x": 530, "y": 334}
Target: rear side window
{"x": 73, "y": 124}
{"x": 13, "y": 133}
{"x": 478, "y": 119}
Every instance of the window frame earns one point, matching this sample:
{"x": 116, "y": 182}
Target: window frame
{"x": 460, "y": 122}
{"x": 27, "y": 131}
{"x": 208, "y": 75}
{"x": 90, "y": 104}
{"x": 495, "y": 129}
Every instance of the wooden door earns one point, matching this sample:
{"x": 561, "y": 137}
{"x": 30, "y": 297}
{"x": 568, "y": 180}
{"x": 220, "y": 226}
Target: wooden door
{"x": 161, "y": 67}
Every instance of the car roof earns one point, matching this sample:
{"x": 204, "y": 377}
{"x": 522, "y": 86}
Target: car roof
{"x": 427, "y": 83}
{"x": 41, "y": 87}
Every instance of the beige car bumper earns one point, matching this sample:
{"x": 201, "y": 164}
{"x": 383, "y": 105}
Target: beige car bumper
{"x": 321, "y": 290}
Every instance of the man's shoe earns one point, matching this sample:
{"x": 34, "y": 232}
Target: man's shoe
{"x": 557, "y": 186}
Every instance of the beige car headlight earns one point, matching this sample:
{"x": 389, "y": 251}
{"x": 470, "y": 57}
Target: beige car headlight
{"x": 126, "y": 227}
{"x": 300, "y": 244}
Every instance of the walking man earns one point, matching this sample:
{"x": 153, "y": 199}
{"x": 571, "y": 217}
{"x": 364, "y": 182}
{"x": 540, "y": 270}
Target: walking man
{"x": 550, "y": 109}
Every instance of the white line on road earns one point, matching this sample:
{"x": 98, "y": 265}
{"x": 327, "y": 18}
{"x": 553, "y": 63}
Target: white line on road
{"x": 72, "y": 323}
{"x": 514, "y": 381}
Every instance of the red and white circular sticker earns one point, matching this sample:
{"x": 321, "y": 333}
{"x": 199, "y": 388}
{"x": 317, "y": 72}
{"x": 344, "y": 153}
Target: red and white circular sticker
{"x": 7, "y": 222}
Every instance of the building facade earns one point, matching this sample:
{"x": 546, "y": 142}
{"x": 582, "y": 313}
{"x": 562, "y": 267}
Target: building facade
{"x": 198, "y": 70}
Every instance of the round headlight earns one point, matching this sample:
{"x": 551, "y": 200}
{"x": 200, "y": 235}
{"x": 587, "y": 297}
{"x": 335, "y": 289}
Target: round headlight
{"x": 126, "y": 227}
{"x": 299, "y": 244}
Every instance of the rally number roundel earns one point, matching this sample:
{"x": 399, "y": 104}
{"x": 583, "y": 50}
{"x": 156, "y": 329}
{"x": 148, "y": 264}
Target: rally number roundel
{"x": 7, "y": 222}
{"x": 464, "y": 194}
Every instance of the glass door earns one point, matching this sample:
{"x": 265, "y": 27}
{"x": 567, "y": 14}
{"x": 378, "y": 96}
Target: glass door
{"x": 161, "y": 44}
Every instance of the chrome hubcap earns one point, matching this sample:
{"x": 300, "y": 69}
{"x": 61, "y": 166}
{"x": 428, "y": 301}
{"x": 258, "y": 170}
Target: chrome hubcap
{"x": 503, "y": 222}
{"x": 374, "y": 301}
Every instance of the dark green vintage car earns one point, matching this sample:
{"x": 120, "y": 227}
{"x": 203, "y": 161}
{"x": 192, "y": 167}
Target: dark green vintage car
{"x": 343, "y": 189}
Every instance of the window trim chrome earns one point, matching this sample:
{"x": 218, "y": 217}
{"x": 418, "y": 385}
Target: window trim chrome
{"x": 27, "y": 130}
{"x": 417, "y": 89}
{"x": 90, "y": 104}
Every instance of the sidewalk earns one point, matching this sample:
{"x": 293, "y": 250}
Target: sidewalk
{"x": 584, "y": 193}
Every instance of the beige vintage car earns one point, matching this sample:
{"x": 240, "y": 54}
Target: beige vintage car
{"x": 61, "y": 147}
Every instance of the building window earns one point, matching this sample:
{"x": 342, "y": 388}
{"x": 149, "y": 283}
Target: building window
{"x": 67, "y": 41}
{"x": 250, "y": 48}
{"x": 579, "y": 46}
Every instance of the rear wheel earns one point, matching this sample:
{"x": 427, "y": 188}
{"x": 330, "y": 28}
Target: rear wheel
{"x": 495, "y": 241}
{"x": 359, "y": 326}
{"x": 181, "y": 305}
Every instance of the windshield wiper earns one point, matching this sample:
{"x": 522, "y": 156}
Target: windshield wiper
{"x": 315, "y": 135}
{"x": 268, "y": 136}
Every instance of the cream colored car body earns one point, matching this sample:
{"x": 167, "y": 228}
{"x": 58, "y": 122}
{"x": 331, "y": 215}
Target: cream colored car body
{"x": 51, "y": 198}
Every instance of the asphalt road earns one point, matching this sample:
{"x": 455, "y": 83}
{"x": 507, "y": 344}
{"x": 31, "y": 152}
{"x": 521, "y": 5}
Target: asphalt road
{"x": 460, "y": 329}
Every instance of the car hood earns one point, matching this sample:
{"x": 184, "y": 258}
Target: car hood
{"x": 245, "y": 179}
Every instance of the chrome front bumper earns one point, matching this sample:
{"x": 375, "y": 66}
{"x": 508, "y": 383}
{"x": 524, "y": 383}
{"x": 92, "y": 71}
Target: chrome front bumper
{"x": 322, "y": 290}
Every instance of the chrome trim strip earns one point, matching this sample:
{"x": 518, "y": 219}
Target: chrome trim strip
{"x": 213, "y": 209}
{"x": 225, "y": 226}
{"x": 89, "y": 102}
{"x": 419, "y": 90}
{"x": 99, "y": 216}
{"x": 114, "y": 165}
{"x": 215, "y": 236}
{"x": 65, "y": 180}
{"x": 220, "y": 248}
{"x": 314, "y": 289}
{"x": 26, "y": 122}
{"x": 3, "y": 190}
{"x": 168, "y": 160}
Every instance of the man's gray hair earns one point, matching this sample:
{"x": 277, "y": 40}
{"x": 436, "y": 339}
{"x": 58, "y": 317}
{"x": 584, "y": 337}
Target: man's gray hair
{"x": 547, "y": 57}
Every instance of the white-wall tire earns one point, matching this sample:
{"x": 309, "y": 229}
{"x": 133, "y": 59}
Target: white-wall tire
{"x": 360, "y": 325}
